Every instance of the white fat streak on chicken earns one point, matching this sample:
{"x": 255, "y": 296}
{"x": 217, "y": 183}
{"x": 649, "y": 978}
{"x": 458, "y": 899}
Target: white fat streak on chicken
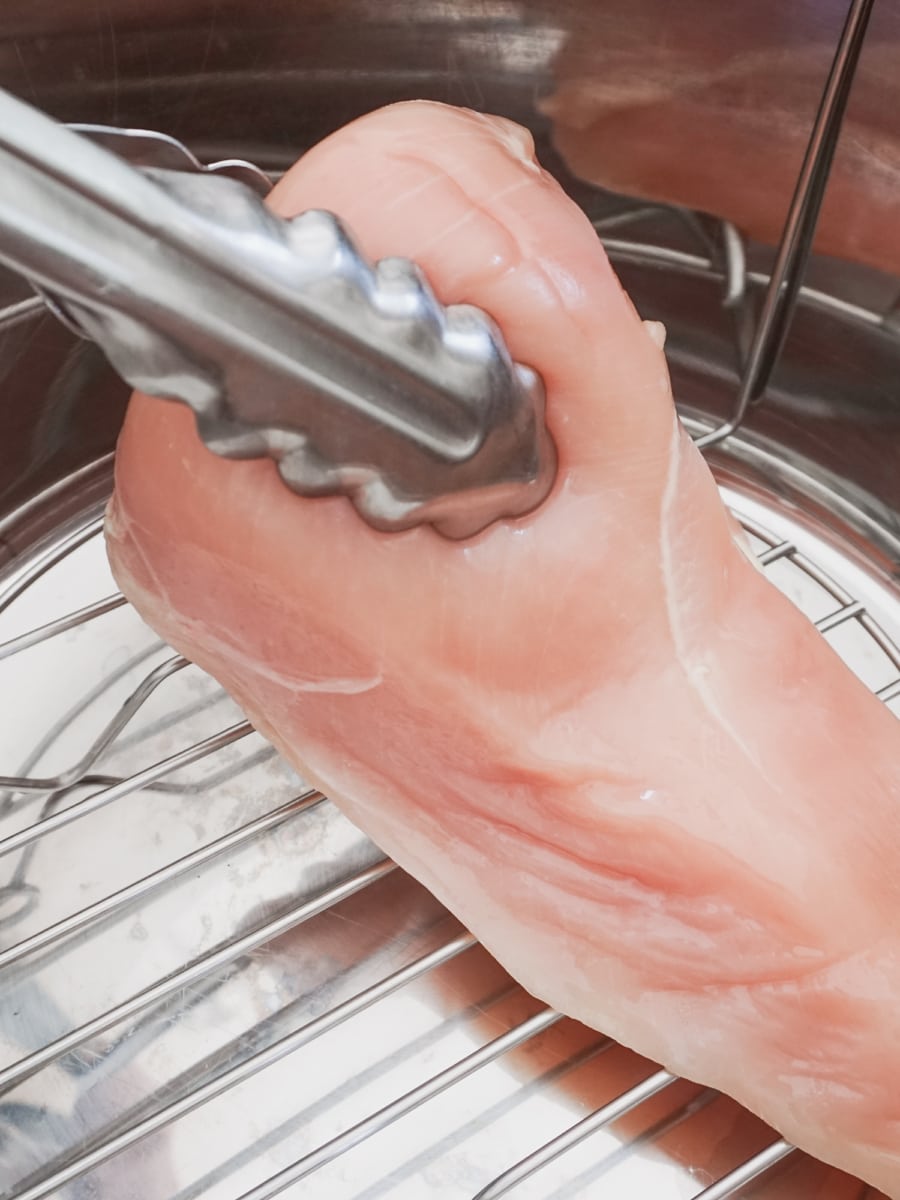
{"x": 291, "y": 681}
{"x": 656, "y": 331}
{"x": 192, "y": 633}
{"x": 120, "y": 525}
{"x": 677, "y": 582}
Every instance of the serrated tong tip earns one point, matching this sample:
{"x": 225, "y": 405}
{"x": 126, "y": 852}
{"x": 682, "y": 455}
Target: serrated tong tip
{"x": 280, "y": 335}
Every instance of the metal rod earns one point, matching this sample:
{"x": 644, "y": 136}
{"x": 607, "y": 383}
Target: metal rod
{"x": 133, "y": 783}
{"x": 647, "y": 254}
{"x": 21, "y": 310}
{"x": 137, "y": 699}
{"x": 577, "y": 1133}
{"x": 249, "y": 1067}
{"x": 850, "y": 608}
{"x": 747, "y": 1172}
{"x": 398, "y": 1108}
{"x": 199, "y": 968}
{"x": 73, "y": 619}
{"x": 800, "y": 227}
{"x": 63, "y": 723}
{"x": 141, "y": 888}
{"x": 824, "y": 580}
{"x": 878, "y": 635}
{"x": 735, "y": 256}
{"x": 50, "y": 558}
{"x": 825, "y": 624}
{"x": 774, "y": 553}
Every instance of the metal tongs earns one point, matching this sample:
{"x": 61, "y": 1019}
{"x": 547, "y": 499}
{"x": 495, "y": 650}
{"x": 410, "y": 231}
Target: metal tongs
{"x": 281, "y": 337}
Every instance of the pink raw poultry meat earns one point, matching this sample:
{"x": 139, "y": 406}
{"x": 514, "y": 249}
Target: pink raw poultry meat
{"x": 567, "y": 727}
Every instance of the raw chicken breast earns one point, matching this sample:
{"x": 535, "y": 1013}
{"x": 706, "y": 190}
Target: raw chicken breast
{"x": 598, "y": 734}
{"x": 712, "y": 107}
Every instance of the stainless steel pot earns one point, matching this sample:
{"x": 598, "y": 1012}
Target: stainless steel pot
{"x": 206, "y": 975}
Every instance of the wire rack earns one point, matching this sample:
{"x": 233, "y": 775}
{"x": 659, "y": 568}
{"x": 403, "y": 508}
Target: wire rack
{"x": 187, "y": 937}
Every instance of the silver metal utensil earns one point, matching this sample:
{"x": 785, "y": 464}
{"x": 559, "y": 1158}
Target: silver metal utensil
{"x": 281, "y": 337}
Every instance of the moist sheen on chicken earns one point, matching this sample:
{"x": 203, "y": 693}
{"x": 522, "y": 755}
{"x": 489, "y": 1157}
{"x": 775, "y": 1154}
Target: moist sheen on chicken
{"x": 598, "y": 734}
